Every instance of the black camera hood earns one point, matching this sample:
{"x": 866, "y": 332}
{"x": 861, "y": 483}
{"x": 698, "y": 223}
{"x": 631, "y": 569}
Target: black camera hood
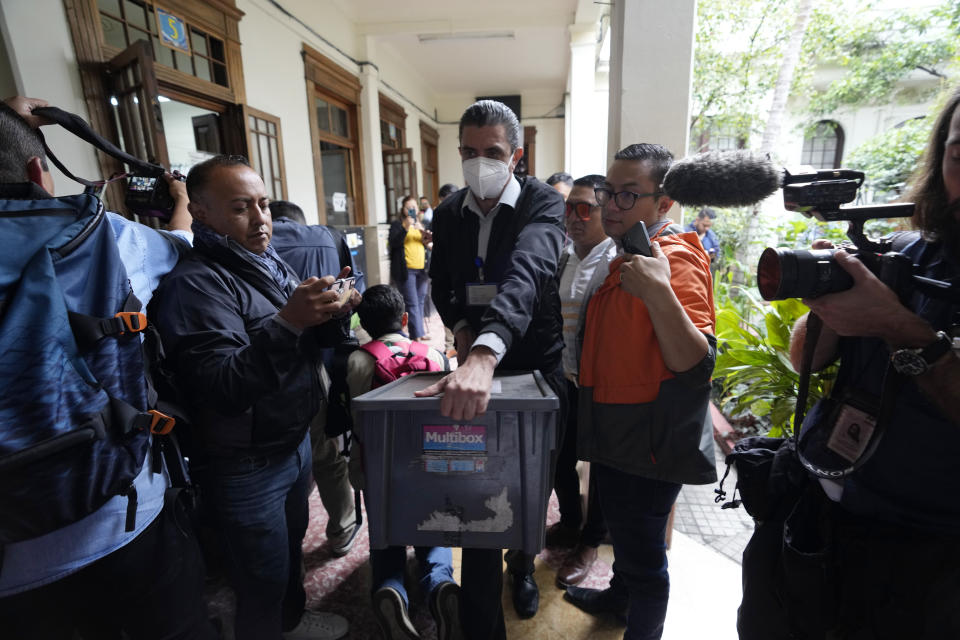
{"x": 79, "y": 127}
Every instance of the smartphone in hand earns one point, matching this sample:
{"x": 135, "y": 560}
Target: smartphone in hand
{"x": 343, "y": 286}
{"x": 636, "y": 241}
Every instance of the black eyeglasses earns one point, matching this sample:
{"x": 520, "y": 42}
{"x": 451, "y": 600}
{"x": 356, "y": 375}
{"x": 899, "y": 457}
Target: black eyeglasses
{"x": 624, "y": 199}
{"x": 581, "y": 209}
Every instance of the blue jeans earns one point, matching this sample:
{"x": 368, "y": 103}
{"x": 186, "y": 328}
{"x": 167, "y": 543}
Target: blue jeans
{"x": 435, "y": 564}
{"x": 414, "y": 290}
{"x": 260, "y": 506}
{"x": 636, "y": 511}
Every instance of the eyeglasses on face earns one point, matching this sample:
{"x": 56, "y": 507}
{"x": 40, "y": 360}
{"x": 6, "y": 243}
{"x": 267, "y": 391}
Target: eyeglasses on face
{"x": 581, "y": 209}
{"x": 623, "y": 199}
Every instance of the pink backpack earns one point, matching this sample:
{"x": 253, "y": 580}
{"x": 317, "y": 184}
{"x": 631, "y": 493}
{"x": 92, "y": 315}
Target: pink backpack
{"x": 391, "y": 365}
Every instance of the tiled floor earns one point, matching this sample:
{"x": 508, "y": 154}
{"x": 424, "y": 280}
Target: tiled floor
{"x": 699, "y": 516}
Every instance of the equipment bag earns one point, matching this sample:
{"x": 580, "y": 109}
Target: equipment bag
{"x": 74, "y": 425}
{"x": 398, "y": 360}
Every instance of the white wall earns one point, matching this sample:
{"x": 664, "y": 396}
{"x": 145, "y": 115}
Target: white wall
{"x": 274, "y": 80}
{"x": 275, "y": 83}
{"x": 8, "y": 86}
{"x": 858, "y": 127}
{"x": 448, "y": 157}
{"x": 44, "y": 66}
{"x": 550, "y": 145}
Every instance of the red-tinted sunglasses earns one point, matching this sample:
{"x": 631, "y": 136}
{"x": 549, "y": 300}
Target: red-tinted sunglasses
{"x": 581, "y": 209}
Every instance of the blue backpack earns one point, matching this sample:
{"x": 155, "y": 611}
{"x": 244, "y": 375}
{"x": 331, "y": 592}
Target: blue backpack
{"x": 74, "y": 425}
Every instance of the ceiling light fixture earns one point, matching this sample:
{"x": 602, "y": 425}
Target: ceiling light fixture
{"x": 467, "y": 35}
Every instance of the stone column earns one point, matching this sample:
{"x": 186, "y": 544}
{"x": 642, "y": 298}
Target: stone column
{"x": 651, "y": 65}
{"x": 582, "y": 144}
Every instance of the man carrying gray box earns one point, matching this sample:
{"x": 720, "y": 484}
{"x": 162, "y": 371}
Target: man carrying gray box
{"x": 496, "y": 248}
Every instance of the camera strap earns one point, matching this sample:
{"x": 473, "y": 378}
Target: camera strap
{"x": 79, "y": 127}
{"x": 892, "y": 382}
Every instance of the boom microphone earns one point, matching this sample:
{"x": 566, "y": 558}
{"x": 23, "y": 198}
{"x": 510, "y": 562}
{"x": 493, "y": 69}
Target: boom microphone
{"x": 722, "y": 179}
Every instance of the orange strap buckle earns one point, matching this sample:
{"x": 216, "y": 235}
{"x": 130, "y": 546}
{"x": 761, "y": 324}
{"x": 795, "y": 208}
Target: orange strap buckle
{"x": 134, "y": 321}
{"x": 162, "y": 424}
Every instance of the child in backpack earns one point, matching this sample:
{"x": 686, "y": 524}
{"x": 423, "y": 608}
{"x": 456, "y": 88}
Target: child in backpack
{"x": 390, "y": 355}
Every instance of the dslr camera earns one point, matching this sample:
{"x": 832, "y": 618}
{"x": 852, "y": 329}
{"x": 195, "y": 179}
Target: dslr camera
{"x": 810, "y": 273}
{"x": 149, "y": 195}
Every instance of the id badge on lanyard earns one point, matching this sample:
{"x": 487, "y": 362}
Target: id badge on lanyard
{"x": 480, "y": 294}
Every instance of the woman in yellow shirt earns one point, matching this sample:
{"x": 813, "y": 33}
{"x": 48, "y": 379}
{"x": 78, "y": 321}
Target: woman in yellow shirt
{"x": 408, "y": 272}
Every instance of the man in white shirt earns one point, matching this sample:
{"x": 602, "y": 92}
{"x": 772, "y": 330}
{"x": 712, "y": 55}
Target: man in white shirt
{"x": 583, "y": 267}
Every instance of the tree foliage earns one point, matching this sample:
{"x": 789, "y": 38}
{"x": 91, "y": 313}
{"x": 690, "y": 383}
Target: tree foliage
{"x": 876, "y": 51}
{"x": 738, "y": 51}
{"x": 889, "y": 158}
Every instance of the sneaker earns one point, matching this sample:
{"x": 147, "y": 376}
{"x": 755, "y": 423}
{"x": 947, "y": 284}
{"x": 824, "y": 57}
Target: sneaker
{"x": 316, "y": 625}
{"x": 390, "y": 612}
{"x": 445, "y": 607}
{"x": 341, "y": 544}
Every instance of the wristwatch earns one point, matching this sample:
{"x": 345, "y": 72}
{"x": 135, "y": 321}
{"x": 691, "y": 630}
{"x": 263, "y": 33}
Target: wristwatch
{"x": 914, "y": 362}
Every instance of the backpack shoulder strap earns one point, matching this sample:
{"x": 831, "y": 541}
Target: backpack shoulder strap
{"x": 418, "y": 349}
{"x": 377, "y": 349}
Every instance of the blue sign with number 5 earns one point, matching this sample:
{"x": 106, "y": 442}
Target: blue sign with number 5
{"x": 173, "y": 31}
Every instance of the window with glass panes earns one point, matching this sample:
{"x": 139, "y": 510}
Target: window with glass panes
{"x": 126, "y": 21}
{"x": 823, "y": 146}
{"x": 392, "y": 122}
{"x": 266, "y": 152}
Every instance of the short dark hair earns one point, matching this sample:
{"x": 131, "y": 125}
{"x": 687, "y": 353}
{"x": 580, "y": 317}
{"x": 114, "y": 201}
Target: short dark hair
{"x": 593, "y": 180}
{"x": 489, "y": 113}
{"x": 560, "y": 176}
{"x": 199, "y": 175}
{"x": 284, "y": 209}
{"x": 18, "y": 143}
{"x": 447, "y": 189}
{"x": 707, "y": 212}
{"x": 381, "y": 310}
{"x": 657, "y": 157}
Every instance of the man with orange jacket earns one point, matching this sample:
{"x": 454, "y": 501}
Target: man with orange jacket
{"x": 648, "y": 353}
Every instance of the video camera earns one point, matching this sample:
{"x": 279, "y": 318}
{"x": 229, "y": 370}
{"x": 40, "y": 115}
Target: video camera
{"x": 810, "y": 273}
{"x": 147, "y": 193}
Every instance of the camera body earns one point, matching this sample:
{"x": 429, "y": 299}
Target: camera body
{"x": 149, "y": 195}
{"x": 810, "y": 273}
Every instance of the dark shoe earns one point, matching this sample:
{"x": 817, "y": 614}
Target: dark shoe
{"x": 562, "y": 536}
{"x": 340, "y": 545}
{"x": 597, "y": 601}
{"x": 391, "y": 615}
{"x": 445, "y": 607}
{"x": 526, "y": 595}
{"x": 576, "y": 566}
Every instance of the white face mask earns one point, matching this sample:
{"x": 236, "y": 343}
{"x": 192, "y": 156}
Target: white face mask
{"x": 486, "y": 177}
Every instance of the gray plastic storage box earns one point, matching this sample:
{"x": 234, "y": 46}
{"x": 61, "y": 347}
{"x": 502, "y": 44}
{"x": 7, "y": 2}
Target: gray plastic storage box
{"x": 433, "y": 482}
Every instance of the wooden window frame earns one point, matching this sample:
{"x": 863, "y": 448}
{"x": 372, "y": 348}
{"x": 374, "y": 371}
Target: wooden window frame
{"x": 430, "y": 137}
{"x": 219, "y": 18}
{"x": 394, "y": 114}
{"x": 251, "y": 147}
{"x": 326, "y": 79}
